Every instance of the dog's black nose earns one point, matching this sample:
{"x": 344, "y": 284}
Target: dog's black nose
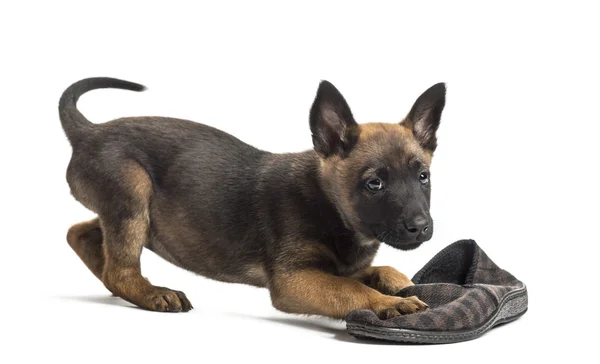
{"x": 417, "y": 225}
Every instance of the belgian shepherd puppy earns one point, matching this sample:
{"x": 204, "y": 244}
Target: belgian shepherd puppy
{"x": 304, "y": 225}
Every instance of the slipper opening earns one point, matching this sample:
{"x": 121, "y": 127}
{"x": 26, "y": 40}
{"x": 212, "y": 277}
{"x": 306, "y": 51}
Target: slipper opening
{"x": 455, "y": 264}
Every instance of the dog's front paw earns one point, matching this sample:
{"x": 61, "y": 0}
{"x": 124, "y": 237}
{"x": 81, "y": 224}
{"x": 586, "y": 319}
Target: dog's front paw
{"x": 388, "y": 280}
{"x": 388, "y": 306}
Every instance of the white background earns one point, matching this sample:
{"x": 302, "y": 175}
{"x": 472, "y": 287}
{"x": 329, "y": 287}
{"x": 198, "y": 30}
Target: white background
{"x": 516, "y": 167}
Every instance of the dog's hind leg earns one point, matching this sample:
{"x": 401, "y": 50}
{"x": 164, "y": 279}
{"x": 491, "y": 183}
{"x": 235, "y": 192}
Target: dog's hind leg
{"x": 125, "y": 227}
{"x": 86, "y": 240}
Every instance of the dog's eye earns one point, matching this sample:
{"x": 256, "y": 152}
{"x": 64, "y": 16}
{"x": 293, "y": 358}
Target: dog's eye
{"x": 375, "y": 184}
{"x": 424, "y": 177}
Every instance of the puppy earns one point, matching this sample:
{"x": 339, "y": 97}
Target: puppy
{"x": 304, "y": 225}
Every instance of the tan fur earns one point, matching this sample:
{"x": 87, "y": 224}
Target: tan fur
{"x": 317, "y": 293}
{"x": 137, "y": 180}
{"x": 124, "y": 243}
{"x": 81, "y": 190}
{"x": 408, "y": 134}
{"x": 86, "y": 240}
{"x": 369, "y": 147}
{"x": 387, "y": 280}
{"x": 257, "y": 275}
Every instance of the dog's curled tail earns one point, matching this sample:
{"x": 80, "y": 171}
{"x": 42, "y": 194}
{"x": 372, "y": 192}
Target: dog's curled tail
{"x": 73, "y": 121}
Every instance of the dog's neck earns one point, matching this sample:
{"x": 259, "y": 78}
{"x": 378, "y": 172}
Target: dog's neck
{"x": 305, "y": 179}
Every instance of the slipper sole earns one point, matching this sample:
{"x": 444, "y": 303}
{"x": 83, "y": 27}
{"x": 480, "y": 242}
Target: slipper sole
{"x": 512, "y": 306}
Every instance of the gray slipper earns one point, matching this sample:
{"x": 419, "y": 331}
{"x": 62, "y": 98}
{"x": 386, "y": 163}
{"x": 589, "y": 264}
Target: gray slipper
{"x": 467, "y": 294}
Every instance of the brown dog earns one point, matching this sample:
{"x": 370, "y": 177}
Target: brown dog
{"x": 304, "y": 225}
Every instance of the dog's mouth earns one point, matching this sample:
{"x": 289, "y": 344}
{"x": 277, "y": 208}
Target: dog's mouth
{"x": 398, "y": 240}
{"x": 404, "y": 246}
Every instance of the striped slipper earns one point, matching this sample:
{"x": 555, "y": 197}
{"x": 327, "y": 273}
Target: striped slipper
{"x": 467, "y": 294}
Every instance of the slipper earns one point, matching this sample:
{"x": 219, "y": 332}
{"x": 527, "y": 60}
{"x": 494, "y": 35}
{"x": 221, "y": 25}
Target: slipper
{"x": 467, "y": 295}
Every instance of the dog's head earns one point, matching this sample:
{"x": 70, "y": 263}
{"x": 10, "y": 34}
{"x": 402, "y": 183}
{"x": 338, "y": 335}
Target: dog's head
{"x": 378, "y": 174}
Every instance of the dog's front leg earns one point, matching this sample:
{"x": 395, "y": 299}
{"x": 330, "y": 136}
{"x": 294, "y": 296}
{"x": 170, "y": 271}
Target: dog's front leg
{"x": 314, "y": 292}
{"x": 387, "y": 280}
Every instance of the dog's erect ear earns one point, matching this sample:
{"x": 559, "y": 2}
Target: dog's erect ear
{"x": 424, "y": 117}
{"x": 333, "y": 128}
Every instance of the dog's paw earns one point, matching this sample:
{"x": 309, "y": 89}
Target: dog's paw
{"x": 388, "y": 280}
{"x": 166, "y": 300}
{"x": 389, "y": 306}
